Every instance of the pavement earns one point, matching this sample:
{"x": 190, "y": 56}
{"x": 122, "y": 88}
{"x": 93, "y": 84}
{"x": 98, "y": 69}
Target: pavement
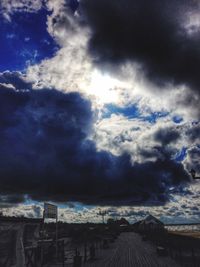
{"x": 129, "y": 250}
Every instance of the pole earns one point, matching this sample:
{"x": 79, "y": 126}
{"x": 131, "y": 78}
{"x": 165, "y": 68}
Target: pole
{"x": 57, "y": 236}
{"x": 43, "y": 225}
{"x": 23, "y": 253}
{"x": 42, "y": 236}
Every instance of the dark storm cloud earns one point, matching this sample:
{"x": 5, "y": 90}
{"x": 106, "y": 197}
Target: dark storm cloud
{"x": 167, "y": 135}
{"x": 45, "y": 154}
{"x": 10, "y": 200}
{"x": 192, "y": 159}
{"x": 150, "y": 33}
{"x": 193, "y": 133}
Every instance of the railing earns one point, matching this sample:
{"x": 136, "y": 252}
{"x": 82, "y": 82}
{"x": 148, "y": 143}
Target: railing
{"x": 44, "y": 254}
{"x": 183, "y": 227}
{"x": 7, "y": 248}
{"x": 72, "y": 254}
{"x": 183, "y": 248}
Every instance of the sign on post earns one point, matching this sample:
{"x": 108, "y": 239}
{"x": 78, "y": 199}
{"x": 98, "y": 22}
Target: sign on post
{"x": 50, "y": 211}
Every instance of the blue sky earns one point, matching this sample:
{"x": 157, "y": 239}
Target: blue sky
{"x": 25, "y": 41}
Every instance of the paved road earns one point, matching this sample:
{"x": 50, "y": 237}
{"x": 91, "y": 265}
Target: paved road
{"x": 130, "y": 251}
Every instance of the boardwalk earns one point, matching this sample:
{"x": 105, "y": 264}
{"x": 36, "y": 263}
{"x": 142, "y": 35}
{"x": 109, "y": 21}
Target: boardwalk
{"x": 129, "y": 250}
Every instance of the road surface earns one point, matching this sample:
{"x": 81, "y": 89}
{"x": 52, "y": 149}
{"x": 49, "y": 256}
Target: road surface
{"x": 130, "y": 251}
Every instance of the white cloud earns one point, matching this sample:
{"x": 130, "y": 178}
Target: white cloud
{"x": 192, "y": 159}
{"x": 180, "y": 209}
{"x": 7, "y": 85}
{"x": 70, "y": 68}
{"x": 30, "y": 211}
{"x": 119, "y": 134}
{"x": 191, "y": 22}
{"x": 9, "y": 7}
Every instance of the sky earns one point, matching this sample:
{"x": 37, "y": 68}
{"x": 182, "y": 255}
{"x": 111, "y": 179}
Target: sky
{"x": 99, "y": 108}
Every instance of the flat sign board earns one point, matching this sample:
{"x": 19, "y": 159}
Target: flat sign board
{"x": 50, "y": 211}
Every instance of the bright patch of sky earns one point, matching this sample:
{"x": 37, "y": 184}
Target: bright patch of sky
{"x": 132, "y": 112}
{"x": 177, "y": 119}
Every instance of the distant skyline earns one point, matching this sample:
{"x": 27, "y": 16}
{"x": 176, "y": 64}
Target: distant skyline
{"x": 99, "y": 108}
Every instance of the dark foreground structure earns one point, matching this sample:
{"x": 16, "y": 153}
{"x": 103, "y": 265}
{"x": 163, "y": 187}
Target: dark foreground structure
{"x": 30, "y": 243}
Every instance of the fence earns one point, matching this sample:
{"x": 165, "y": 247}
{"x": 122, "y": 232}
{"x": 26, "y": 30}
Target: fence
{"x": 72, "y": 254}
{"x": 184, "y": 249}
{"x": 7, "y": 248}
